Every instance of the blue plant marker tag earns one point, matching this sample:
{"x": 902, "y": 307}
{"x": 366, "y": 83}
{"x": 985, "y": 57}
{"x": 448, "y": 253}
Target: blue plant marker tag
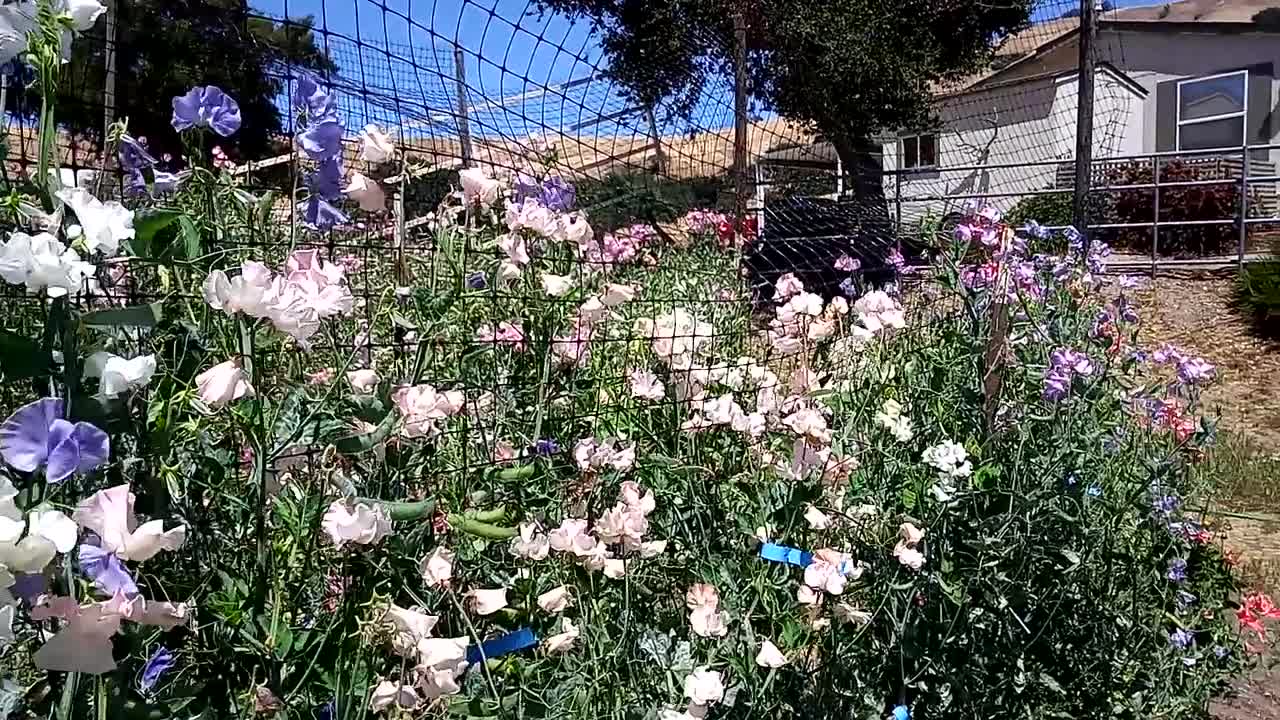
{"x": 784, "y": 554}
{"x": 901, "y": 713}
{"x": 508, "y": 643}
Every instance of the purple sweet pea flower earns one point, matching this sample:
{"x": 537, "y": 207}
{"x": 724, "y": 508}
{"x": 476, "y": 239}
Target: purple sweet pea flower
{"x": 1181, "y": 639}
{"x": 1177, "y": 570}
{"x": 546, "y": 446}
{"x": 106, "y": 571}
{"x": 1057, "y": 383}
{"x": 310, "y": 96}
{"x": 207, "y": 107}
{"x": 558, "y": 195}
{"x": 1034, "y": 229}
{"x": 320, "y": 214}
{"x": 322, "y": 140}
{"x": 158, "y": 664}
{"x": 29, "y": 586}
{"x": 526, "y": 186}
{"x": 895, "y": 259}
{"x": 36, "y": 436}
{"x": 326, "y": 181}
{"x": 477, "y": 281}
{"x": 133, "y": 154}
{"x": 1194, "y": 371}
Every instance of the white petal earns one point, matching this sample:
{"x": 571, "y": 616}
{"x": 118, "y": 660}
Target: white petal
{"x": 57, "y": 528}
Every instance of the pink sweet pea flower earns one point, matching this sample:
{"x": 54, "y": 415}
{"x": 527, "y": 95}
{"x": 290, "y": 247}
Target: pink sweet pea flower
{"x": 109, "y": 514}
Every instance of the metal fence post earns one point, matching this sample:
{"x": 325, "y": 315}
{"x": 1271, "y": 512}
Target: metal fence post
{"x": 740, "y": 116}
{"x": 464, "y": 131}
{"x": 1244, "y": 203}
{"x": 1084, "y": 121}
{"x": 1155, "y": 211}
{"x": 109, "y": 71}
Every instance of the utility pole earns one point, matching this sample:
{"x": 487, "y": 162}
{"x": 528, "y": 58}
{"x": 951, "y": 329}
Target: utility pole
{"x": 740, "y": 116}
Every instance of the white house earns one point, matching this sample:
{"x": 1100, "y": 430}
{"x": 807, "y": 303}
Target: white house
{"x": 1191, "y": 75}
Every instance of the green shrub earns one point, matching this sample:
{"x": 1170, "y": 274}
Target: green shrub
{"x": 623, "y": 198}
{"x": 1257, "y": 296}
{"x": 1054, "y": 210}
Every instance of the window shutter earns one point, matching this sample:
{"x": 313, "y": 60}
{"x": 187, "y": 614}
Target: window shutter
{"x": 1167, "y": 116}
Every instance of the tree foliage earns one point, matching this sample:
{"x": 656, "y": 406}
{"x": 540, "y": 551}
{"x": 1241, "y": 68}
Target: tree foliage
{"x": 848, "y": 67}
{"x": 165, "y": 47}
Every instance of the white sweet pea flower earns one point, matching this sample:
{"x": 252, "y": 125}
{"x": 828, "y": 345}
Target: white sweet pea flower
{"x": 437, "y": 568}
{"x": 646, "y": 386}
{"x": 362, "y": 524}
{"x": 118, "y": 375}
{"x": 375, "y": 145}
{"x": 817, "y": 519}
{"x": 565, "y": 639}
{"x": 367, "y": 193}
{"x": 104, "y": 225}
{"x": 389, "y": 693}
{"x": 487, "y": 602}
{"x": 531, "y": 544}
{"x": 364, "y": 381}
{"x": 704, "y": 686}
{"x": 223, "y": 383}
{"x": 555, "y": 600}
{"x": 770, "y": 656}
{"x": 478, "y": 188}
{"x": 83, "y": 13}
{"x": 409, "y": 627}
{"x": 48, "y": 532}
{"x": 41, "y": 262}
{"x": 556, "y": 285}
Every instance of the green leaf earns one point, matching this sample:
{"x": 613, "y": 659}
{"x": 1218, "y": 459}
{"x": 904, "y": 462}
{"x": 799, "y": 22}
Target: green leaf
{"x": 190, "y": 235}
{"x": 147, "y": 316}
{"x": 22, "y": 357}
{"x": 352, "y": 444}
{"x": 146, "y": 227}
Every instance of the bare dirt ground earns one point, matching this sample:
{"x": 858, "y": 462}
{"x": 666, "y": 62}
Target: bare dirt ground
{"x": 1194, "y": 313}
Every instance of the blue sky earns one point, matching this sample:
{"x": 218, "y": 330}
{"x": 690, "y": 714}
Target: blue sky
{"x": 510, "y": 50}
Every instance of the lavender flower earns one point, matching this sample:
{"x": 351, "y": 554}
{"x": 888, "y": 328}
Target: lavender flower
{"x": 322, "y": 140}
{"x": 1167, "y": 353}
{"x": 207, "y": 107}
{"x": 847, "y": 288}
{"x": 108, "y": 573}
{"x": 1177, "y": 571}
{"x": 1181, "y": 639}
{"x": 526, "y": 186}
{"x": 477, "y": 281}
{"x": 546, "y": 446}
{"x": 157, "y": 665}
{"x": 1194, "y": 371}
{"x": 1129, "y": 282}
{"x": 319, "y": 214}
{"x": 1166, "y": 504}
{"x": 1057, "y": 384}
{"x": 36, "y": 436}
{"x": 1185, "y": 599}
{"x": 1035, "y": 230}
{"x": 557, "y": 194}
{"x": 310, "y": 96}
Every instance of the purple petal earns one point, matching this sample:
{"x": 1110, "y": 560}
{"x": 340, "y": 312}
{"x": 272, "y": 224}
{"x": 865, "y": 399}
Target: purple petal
{"x": 24, "y": 436}
{"x": 106, "y": 571}
{"x": 94, "y": 445}
{"x": 64, "y": 452}
{"x": 223, "y": 112}
{"x": 186, "y": 110}
{"x": 158, "y": 664}
{"x": 29, "y": 586}
{"x": 322, "y": 140}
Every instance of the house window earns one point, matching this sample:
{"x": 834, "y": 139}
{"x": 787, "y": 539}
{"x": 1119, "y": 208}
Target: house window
{"x": 919, "y": 152}
{"x": 1212, "y": 111}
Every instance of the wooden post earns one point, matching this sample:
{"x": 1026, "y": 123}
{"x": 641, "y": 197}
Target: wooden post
{"x": 740, "y": 116}
{"x": 464, "y": 131}
{"x": 1084, "y": 120}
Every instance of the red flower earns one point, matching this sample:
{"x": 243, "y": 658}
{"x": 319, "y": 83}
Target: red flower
{"x": 1256, "y": 608}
